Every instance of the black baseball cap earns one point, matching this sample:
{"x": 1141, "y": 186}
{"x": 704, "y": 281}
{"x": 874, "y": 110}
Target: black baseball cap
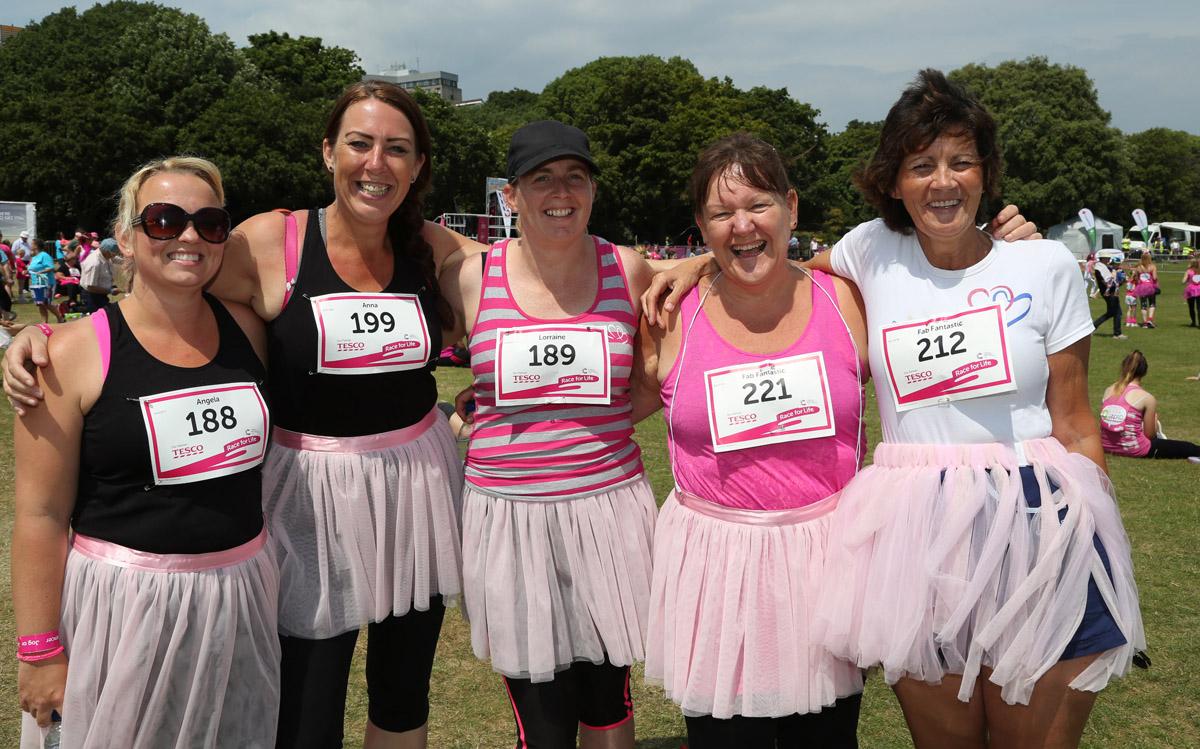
{"x": 546, "y": 140}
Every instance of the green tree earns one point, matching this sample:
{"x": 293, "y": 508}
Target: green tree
{"x": 845, "y": 153}
{"x": 463, "y": 158}
{"x": 1060, "y": 152}
{"x": 94, "y": 94}
{"x": 647, "y": 119}
{"x": 1166, "y": 173}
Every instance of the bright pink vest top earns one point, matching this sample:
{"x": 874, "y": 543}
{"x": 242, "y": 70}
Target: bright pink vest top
{"x": 1121, "y": 426}
{"x": 766, "y": 477}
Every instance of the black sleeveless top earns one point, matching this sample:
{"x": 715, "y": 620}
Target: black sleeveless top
{"x": 343, "y": 405}
{"x": 118, "y": 500}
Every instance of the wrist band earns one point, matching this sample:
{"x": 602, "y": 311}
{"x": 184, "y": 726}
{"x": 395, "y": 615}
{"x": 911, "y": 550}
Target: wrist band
{"x": 40, "y": 656}
{"x": 46, "y": 329}
{"x": 35, "y": 644}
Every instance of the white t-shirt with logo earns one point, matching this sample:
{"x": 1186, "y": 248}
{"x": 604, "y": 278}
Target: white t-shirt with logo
{"x": 991, "y": 325}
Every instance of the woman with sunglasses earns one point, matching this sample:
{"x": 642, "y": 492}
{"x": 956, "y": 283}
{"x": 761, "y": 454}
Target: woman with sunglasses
{"x": 362, "y": 503}
{"x": 144, "y": 592}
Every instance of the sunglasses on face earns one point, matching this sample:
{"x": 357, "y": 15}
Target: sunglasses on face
{"x": 168, "y": 221}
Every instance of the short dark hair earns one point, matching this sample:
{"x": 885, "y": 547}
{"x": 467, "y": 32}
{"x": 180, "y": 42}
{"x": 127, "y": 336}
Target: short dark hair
{"x": 758, "y": 161}
{"x": 930, "y": 107}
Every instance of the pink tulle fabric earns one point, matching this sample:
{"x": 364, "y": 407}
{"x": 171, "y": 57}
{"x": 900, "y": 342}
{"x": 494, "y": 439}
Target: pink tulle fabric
{"x": 363, "y": 534}
{"x": 548, "y": 583}
{"x": 937, "y": 554}
{"x": 731, "y": 611}
{"x": 168, "y": 659}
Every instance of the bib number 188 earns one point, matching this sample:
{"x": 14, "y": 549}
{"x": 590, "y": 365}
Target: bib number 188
{"x": 209, "y": 421}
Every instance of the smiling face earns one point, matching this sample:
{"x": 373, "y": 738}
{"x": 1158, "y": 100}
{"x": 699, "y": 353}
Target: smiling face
{"x": 374, "y": 159}
{"x": 941, "y": 186}
{"x": 553, "y": 201}
{"x": 747, "y": 227}
{"x": 187, "y": 260}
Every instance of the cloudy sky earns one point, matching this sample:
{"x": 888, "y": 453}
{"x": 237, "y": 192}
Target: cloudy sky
{"x": 848, "y": 58}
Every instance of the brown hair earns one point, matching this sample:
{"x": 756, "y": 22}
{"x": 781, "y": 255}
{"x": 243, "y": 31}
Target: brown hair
{"x": 930, "y": 107}
{"x": 1133, "y": 367}
{"x": 758, "y": 163}
{"x": 406, "y": 223}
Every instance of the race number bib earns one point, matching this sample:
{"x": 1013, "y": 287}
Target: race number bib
{"x": 948, "y": 358}
{"x": 552, "y": 364}
{"x": 205, "y": 432}
{"x": 767, "y": 402}
{"x": 369, "y": 333}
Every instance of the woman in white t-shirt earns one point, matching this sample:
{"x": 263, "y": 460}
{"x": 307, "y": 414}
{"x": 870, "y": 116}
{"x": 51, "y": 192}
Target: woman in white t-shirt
{"x": 952, "y": 568}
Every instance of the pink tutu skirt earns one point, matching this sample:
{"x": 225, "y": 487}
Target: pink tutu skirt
{"x": 731, "y": 610}
{"x": 944, "y": 568}
{"x": 168, "y": 650}
{"x": 1145, "y": 288}
{"x": 550, "y": 582}
{"x": 363, "y": 527}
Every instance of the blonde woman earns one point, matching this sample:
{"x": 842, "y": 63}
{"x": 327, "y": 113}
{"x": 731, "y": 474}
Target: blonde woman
{"x": 144, "y": 592}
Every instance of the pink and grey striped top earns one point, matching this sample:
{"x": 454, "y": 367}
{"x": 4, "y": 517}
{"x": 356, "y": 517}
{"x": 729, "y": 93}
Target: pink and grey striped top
{"x": 553, "y": 450}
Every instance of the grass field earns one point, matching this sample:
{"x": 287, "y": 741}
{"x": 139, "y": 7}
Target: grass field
{"x": 1160, "y": 502}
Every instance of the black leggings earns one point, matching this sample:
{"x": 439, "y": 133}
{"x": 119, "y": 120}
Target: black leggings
{"x": 313, "y": 678}
{"x": 1161, "y": 448}
{"x": 1194, "y": 309}
{"x": 1112, "y": 309}
{"x": 549, "y": 713}
{"x": 835, "y": 727}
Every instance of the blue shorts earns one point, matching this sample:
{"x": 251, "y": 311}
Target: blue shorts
{"x": 41, "y": 294}
{"x": 1098, "y": 631}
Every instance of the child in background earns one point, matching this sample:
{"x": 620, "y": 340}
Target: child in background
{"x": 1131, "y": 303}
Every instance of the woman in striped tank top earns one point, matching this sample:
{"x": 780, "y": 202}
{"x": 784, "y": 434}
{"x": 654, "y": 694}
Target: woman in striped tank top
{"x": 557, "y": 513}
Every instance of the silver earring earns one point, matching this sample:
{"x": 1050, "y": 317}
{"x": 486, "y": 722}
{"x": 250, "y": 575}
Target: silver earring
{"x": 413, "y": 180}
{"x": 329, "y": 167}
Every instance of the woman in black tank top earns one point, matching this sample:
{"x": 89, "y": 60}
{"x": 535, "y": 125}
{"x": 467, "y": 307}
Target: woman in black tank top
{"x": 146, "y": 462}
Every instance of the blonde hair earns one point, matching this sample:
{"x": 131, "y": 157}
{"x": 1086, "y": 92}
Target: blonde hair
{"x": 127, "y": 196}
{"x": 127, "y": 200}
{"x": 1133, "y": 367}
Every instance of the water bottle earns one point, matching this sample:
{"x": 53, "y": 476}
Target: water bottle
{"x": 53, "y": 739}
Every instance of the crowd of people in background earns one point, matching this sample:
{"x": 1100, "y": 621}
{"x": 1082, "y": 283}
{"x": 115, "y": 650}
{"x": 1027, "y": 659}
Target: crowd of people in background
{"x": 64, "y": 277}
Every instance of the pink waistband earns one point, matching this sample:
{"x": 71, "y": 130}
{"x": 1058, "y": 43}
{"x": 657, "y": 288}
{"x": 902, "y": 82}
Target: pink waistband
{"x": 978, "y": 455}
{"x": 364, "y": 444}
{"x": 123, "y": 556}
{"x": 790, "y": 516}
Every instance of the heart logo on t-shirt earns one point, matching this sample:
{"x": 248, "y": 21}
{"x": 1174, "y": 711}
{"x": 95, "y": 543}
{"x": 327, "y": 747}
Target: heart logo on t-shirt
{"x": 1015, "y": 307}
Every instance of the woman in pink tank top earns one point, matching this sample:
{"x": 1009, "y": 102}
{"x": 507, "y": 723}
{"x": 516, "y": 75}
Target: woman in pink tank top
{"x": 761, "y": 377}
{"x": 1129, "y": 422}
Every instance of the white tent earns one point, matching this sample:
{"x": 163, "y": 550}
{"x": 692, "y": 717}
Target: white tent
{"x": 1074, "y": 236}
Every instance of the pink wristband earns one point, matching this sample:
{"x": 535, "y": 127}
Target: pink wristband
{"x": 46, "y": 329}
{"x": 35, "y": 644}
{"x": 40, "y": 656}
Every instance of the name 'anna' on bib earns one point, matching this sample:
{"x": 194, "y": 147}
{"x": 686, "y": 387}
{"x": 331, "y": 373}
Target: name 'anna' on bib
{"x": 951, "y": 358}
{"x": 365, "y": 333}
{"x": 204, "y": 432}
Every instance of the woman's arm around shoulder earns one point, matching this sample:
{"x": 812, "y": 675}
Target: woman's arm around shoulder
{"x": 1071, "y": 418}
{"x": 854, "y": 312}
{"x": 460, "y": 279}
{"x": 638, "y": 274}
{"x": 252, "y": 271}
{"x": 252, "y": 327}
{"x": 46, "y": 451}
{"x": 447, "y": 242}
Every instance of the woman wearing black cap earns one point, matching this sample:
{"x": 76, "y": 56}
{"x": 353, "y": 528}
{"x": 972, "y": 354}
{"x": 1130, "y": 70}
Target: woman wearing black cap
{"x": 557, "y": 512}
